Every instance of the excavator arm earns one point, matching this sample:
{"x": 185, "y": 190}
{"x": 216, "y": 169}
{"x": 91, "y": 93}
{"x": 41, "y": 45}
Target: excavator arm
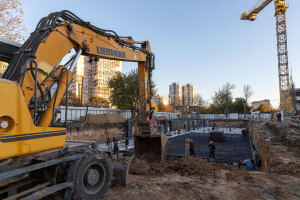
{"x": 36, "y": 68}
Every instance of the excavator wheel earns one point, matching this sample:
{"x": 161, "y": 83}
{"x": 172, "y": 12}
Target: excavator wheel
{"x": 93, "y": 175}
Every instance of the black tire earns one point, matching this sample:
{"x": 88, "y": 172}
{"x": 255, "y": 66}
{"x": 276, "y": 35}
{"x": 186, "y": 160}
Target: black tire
{"x": 93, "y": 175}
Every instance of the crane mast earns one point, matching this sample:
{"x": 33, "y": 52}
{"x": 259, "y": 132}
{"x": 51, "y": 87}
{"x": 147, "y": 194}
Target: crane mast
{"x": 282, "y": 53}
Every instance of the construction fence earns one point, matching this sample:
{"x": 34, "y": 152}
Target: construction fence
{"x": 74, "y": 113}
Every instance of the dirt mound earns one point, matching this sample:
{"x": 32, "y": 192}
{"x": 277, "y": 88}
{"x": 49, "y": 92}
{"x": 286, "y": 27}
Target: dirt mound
{"x": 104, "y": 119}
{"x": 122, "y": 160}
{"x": 284, "y": 133}
{"x": 160, "y": 118}
{"x": 184, "y": 166}
{"x": 139, "y": 167}
{"x": 278, "y": 145}
{"x": 290, "y": 168}
{"x": 97, "y": 128}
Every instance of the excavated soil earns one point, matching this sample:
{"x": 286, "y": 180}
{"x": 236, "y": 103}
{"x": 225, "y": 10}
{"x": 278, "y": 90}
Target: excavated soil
{"x": 279, "y": 146}
{"x": 228, "y": 123}
{"x": 194, "y": 178}
{"x": 104, "y": 119}
{"x": 97, "y": 128}
{"x": 160, "y": 118}
{"x": 184, "y": 166}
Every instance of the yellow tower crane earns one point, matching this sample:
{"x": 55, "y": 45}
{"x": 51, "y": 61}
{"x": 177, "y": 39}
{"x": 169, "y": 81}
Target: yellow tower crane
{"x": 282, "y": 53}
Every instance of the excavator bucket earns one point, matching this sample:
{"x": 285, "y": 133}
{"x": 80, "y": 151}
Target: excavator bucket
{"x": 151, "y": 145}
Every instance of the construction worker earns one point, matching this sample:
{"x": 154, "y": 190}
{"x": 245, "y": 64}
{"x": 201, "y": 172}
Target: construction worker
{"x": 279, "y": 117}
{"x": 108, "y": 143}
{"x": 115, "y": 139}
{"x": 116, "y": 148}
{"x": 243, "y": 132}
{"x": 126, "y": 143}
{"x": 192, "y": 148}
{"x": 256, "y": 158}
{"x": 212, "y": 148}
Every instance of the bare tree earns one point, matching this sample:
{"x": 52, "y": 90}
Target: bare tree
{"x": 11, "y": 24}
{"x": 227, "y": 90}
{"x": 200, "y": 100}
{"x": 248, "y": 92}
{"x": 11, "y": 20}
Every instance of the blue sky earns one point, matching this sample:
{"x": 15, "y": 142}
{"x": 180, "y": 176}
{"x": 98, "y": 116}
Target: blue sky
{"x": 195, "y": 41}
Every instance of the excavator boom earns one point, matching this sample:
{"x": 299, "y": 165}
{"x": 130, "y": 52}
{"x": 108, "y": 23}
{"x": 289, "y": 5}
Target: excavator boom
{"x": 35, "y": 159}
{"x": 36, "y": 68}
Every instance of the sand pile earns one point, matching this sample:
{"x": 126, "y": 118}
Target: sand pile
{"x": 104, "y": 119}
{"x": 184, "y": 166}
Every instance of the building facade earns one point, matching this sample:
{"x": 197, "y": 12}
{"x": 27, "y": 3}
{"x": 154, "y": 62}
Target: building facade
{"x": 3, "y": 67}
{"x": 256, "y": 104}
{"x": 191, "y": 94}
{"x": 175, "y": 93}
{"x": 158, "y": 99}
{"x": 183, "y": 95}
{"x": 91, "y": 79}
{"x": 164, "y": 100}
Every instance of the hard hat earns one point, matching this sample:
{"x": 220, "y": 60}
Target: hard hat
{"x": 191, "y": 140}
{"x": 210, "y": 142}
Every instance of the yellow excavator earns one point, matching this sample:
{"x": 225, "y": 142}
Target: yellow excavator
{"x": 35, "y": 159}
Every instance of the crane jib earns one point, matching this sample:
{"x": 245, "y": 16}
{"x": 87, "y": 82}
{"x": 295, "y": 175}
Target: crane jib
{"x": 110, "y": 52}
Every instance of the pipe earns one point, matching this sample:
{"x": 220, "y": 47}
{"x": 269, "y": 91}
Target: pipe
{"x": 75, "y": 59}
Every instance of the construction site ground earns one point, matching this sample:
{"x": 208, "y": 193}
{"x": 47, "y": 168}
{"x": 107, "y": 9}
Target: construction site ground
{"x": 195, "y": 178}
